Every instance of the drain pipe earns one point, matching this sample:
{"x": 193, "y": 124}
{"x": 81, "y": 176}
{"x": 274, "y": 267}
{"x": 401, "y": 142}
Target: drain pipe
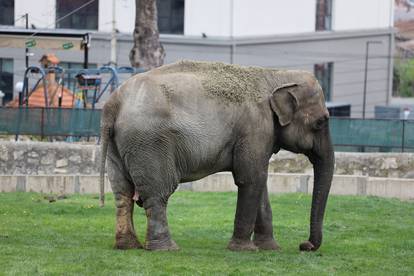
{"x": 233, "y": 44}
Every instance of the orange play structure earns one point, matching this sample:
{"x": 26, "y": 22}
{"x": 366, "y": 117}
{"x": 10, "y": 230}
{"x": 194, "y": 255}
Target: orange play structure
{"x": 55, "y": 91}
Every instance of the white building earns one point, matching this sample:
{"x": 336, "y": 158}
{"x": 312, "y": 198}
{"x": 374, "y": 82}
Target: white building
{"x": 329, "y": 37}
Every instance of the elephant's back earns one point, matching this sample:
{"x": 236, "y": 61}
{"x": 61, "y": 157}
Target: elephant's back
{"x": 230, "y": 83}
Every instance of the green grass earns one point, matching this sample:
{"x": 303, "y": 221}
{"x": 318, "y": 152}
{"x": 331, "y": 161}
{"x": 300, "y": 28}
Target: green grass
{"x": 363, "y": 235}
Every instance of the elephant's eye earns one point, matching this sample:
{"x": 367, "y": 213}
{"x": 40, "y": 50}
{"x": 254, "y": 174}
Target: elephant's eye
{"x": 320, "y": 123}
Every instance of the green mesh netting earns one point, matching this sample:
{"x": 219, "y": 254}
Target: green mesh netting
{"x": 50, "y": 122}
{"x": 372, "y": 133}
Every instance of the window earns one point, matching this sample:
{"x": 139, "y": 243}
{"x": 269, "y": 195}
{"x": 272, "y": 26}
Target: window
{"x": 6, "y": 12}
{"x": 323, "y": 72}
{"x": 170, "y": 16}
{"x": 323, "y": 15}
{"x": 85, "y": 18}
{"x": 6, "y": 78}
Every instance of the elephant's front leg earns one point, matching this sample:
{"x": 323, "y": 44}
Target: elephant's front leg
{"x": 263, "y": 230}
{"x": 251, "y": 184}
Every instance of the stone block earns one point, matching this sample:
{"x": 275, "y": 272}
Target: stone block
{"x": 18, "y": 154}
{"x": 47, "y": 159}
{"x": 75, "y": 159}
{"x": 63, "y": 184}
{"x": 12, "y": 183}
{"x": 188, "y": 186}
{"x": 4, "y": 153}
{"x": 60, "y": 171}
{"x": 33, "y": 154}
{"x": 32, "y": 161}
{"x": 219, "y": 182}
{"x": 89, "y": 184}
{"x": 62, "y": 163}
{"x": 391, "y": 187}
{"x": 287, "y": 183}
{"x": 345, "y": 185}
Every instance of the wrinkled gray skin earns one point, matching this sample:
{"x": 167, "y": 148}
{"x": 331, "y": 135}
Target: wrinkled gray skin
{"x": 184, "y": 121}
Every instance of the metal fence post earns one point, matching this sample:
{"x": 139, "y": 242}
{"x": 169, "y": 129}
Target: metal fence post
{"x": 403, "y": 136}
{"x": 42, "y": 123}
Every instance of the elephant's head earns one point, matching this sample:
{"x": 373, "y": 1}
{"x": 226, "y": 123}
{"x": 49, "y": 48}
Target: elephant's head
{"x": 302, "y": 127}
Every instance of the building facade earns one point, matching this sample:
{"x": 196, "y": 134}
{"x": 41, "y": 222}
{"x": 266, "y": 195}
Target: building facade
{"x": 334, "y": 39}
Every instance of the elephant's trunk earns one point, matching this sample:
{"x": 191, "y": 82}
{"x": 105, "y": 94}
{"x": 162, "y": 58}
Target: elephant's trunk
{"x": 323, "y": 160}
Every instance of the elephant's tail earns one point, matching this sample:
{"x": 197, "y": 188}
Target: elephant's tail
{"x": 108, "y": 117}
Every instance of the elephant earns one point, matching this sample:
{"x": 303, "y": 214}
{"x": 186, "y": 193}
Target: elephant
{"x": 186, "y": 120}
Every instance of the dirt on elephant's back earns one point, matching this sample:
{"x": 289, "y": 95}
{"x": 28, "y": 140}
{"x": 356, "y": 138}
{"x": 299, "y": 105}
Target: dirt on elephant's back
{"x": 232, "y": 83}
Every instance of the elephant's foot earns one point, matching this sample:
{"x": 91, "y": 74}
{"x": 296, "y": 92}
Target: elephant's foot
{"x": 127, "y": 241}
{"x": 161, "y": 245}
{"x": 307, "y": 246}
{"x": 241, "y": 245}
{"x": 269, "y": 244}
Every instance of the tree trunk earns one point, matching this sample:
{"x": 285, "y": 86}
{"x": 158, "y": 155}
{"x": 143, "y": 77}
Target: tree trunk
{"x": 147, "y": 52}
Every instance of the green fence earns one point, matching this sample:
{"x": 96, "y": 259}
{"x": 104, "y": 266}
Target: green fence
{"x": 50, "y": 121}
{"x": 356, "y": 134}
{"x": 391, "y": 134}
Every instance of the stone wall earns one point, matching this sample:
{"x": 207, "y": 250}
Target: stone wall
{"x": 397, "y": 165}
{"x": 39, "y": 158}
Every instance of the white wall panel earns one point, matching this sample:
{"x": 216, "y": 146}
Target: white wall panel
{"x": 211, "y": 17}
{"x": 270, "y": 17}
{"x": 125, "y": 15}
{"x": 366, "y": 14}
{"x": 41, "y": 13}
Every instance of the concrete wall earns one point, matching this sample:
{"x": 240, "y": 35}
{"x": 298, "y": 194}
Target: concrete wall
{"x": 221, "y": 182}
{"x": 34, "y": 158}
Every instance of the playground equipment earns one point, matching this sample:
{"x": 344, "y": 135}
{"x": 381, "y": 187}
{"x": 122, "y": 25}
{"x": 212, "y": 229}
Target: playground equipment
{"x": 90, "y": 86}
{"x": 51, "y": 107}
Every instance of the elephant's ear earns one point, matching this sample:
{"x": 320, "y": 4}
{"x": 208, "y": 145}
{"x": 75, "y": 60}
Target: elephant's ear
{"x": 284, "y": 103}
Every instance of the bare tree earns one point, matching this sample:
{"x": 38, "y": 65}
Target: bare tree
{"x": 147, "y": 51}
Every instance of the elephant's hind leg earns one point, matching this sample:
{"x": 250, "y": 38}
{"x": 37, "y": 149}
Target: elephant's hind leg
{"x": 155, "y": 181}
{"x": 263, "y": 228}
{"x": 125, "y": 237}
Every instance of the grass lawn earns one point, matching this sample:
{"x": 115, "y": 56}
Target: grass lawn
{"x": 363, "y": 235}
